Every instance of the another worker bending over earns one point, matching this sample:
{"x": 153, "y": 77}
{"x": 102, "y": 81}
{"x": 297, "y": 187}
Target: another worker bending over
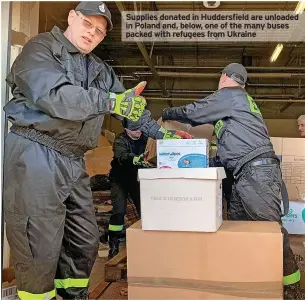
{"x": 244, "y": 148}
{"x": 61, "y": 93}
{"x": 128, "y": 150}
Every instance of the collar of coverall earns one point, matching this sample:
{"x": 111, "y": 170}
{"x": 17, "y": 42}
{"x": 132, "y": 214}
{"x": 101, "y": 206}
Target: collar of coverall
{"x": 59, "y": 36}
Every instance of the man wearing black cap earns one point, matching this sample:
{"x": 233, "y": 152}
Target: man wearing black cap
{"x": 128, "y": 157}
{"x": 61, "y": 93}
{"x": 244, "y": 148}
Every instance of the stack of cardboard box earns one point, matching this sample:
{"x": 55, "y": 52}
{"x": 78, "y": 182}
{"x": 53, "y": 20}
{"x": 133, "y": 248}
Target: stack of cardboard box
{"x": 182, "y": 248}
{"x": 242, "y": 260}
{"x": 291, "y": 152}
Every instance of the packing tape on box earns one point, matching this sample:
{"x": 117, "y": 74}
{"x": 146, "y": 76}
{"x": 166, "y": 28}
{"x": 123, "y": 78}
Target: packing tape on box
{"x": 264, "y": 290}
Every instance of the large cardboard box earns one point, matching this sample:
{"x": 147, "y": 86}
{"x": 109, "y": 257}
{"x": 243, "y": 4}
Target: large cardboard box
{"x": 181, "y": 199}
{"x": 98, "y": 160}
{"x": 293, "y": 167}
{"x": 198, "y": 132}
{"x": 185, "y": 153}
{"x": 297, "y": 243}
{"x": 291, "y": 152}
{"x": 277, "y": 143}
{"x": 242, "y": 260}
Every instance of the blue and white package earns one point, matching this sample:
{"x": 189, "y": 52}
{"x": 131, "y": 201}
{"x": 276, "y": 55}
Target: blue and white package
{"x": 294, "y": 221}
{"x": 182, "y": 153}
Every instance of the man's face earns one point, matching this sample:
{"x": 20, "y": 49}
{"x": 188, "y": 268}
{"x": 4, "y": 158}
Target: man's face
{"x": 86, "y": 32}
{"x": 134, "y": 134}
{"x": 301, "y": 124}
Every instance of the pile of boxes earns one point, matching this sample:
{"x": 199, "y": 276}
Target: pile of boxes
{"x": 183, "y": 249}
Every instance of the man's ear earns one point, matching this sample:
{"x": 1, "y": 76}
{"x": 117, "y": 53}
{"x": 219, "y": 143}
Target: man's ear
{"x": 72, "y": 15}
{"x": 223, "y": 78}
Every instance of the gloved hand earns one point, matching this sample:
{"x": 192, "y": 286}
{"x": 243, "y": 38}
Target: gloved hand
{"x": 140, "y": 161}
{"x": 174, "y": 134}
{"x": 129, "y": 104}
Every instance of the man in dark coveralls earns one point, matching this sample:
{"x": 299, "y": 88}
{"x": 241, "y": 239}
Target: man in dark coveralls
{"x": 61, "y": 92}
{"x": 244, "y": 148}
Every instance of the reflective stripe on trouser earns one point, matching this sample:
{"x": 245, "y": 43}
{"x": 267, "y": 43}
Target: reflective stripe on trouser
{"x": 119, "y": 196}
{"x": 120, "y": 191}
{"x": 28, "y": 296}
{"x": 255, "y": 197}
{"x": 292, "y": 278}
{"x": 71, "y": 283}
{"x": 115, "y": 227}
{"x": 50, "y": 222}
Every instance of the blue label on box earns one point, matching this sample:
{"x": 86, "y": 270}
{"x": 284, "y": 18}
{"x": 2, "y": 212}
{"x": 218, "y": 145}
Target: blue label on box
{"x": 185, "y": 153}
{"x": 193, "y": 161}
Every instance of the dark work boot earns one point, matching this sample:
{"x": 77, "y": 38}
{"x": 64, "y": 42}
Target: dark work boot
{"x": 114, "y": 243}
{"x": 293, "y": 292}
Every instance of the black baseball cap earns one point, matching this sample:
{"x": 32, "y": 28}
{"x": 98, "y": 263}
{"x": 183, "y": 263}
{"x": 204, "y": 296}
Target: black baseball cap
{"x": 133, "y": 126}
{"x": 237, "y": 72}
{"x": 95, "y": 8}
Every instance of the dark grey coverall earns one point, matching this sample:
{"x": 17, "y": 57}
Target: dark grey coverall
{"x": 244, "y": 148}
{"x": 124, "y": 177}
{"x": 123, "y": 174}
{"x": 59, "y": 99}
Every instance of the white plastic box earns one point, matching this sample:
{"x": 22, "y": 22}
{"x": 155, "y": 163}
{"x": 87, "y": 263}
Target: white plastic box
{"x": 181, "y": 199}
{"x": 182, "y": 153}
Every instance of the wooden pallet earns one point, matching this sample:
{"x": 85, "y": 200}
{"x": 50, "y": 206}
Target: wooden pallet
{"x": 116, "y": 267}
{"x": 99, "y": 290}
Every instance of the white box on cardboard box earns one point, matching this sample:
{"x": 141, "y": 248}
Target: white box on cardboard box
{"x": 183, "y": 153}
{"x": 181, "y": 199}
{"x": 294, "y": 221}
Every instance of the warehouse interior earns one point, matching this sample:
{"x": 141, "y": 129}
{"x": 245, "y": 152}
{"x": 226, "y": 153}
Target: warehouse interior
{"x": 176, "y": 74}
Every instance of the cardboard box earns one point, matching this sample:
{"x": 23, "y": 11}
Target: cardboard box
{"x": 291, "y": 152}
{"x": 9, "y": 287}
{"x": 293, "y": 167}
{"x": 186, "y": 153}
{"x": 297, "y": 243}
{"x": 277, "y": 143}
{"x": 198, "y": 132}
{"x": 242, "y": 260}
{"x": 294, "y": 221}
{"x": 98, "y": 160}
{"x": 181, "y": 199}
